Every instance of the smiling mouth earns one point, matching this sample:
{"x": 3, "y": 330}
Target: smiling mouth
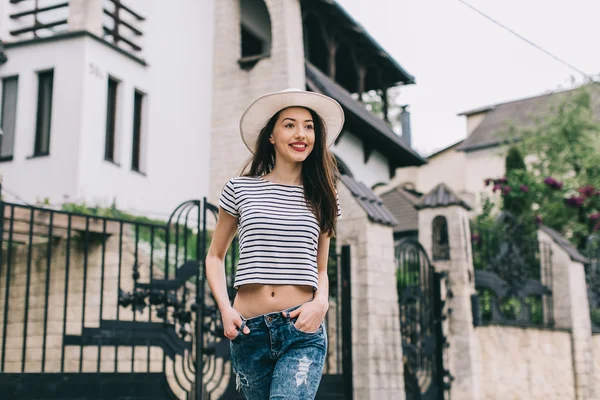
{"x": 298, "y": 147}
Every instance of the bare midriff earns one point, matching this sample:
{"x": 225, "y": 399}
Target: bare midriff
{"x": 257, "y": 299}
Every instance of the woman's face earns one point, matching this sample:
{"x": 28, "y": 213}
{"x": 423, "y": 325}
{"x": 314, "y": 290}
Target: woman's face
{"x": 293, "y": 135}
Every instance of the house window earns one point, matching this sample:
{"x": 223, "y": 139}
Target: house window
{"x": 138, "y": 113}
{"x": 44, "y": 113}
{"x": 8, "y": 117}
{"x": 111, "y": 119}
{"x": 441, "y": 243}
{"x": 255, "y": 29}
{"x": 252, "y": 45}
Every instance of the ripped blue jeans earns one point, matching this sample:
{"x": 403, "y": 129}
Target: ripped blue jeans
{"x": 276, "y": 360}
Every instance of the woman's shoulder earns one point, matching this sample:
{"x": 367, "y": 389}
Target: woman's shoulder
{"x": 244, "y": 179}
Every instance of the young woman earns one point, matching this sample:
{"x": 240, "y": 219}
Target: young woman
{"x": 285, "y": 209}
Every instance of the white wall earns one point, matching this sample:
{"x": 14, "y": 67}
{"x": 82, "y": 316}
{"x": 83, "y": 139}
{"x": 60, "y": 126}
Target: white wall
{"x": 483, "y": 164}
{"x": 350, "y": 150}
{"x": 53, "y": 176}
{"x": 176, "y": 136}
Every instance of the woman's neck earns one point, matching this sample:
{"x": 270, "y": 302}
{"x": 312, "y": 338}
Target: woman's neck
{"x": 286, "y": 174}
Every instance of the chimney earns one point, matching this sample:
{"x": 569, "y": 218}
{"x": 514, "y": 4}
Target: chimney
{"x": 405, "y": 123}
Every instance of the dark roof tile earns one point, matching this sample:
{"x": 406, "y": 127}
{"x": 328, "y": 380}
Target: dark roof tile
{"x": 369, "y": 201}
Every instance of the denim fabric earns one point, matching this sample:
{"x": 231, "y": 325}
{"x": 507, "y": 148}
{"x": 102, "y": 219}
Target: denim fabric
{"x": 276, "y": 360}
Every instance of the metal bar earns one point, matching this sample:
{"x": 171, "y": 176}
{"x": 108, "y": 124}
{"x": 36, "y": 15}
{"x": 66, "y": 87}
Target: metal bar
{"x": 119, "y": 284}
{"x": 338, "y": 344}
{"x": 200, "y": 299}
{"x": 26, "y": 316}
{"x": 39, "y": 10}
{"x": 117, "y": 37}
{"x": 118, "y": 3}
{"x": 38, "y": 27}
{"x": 347, "y": 322}
{"x": 102, "y": 285}
{"x": 137, "y": 267}
{"x": 47, "y": 289}
{"x": 125, "y": 23}
{"x": 67, "y": 261}
{"x": 85, "y": 265}
{"x": 8, "y": 265}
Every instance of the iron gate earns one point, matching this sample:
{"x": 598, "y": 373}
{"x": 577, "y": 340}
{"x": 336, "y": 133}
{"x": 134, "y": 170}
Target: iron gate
{"x": 109, "y": 307}
{"x": 420, "y": 306}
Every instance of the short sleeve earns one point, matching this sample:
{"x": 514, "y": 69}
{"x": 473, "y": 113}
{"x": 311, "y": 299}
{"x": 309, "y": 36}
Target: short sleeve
{"x": 339, "y": 210}
{"x": 228, "y": 200}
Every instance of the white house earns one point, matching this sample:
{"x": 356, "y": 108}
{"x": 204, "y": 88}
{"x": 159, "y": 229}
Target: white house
{"x": 106, "y": 101}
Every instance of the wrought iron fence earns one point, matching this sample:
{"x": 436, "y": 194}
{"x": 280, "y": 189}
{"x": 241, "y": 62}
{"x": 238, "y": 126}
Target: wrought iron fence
{"x": 513, "y": 275}
{"x": 592, "y": 274}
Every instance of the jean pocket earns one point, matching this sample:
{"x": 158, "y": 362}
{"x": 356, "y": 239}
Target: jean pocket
{"x": 293, "y": 325}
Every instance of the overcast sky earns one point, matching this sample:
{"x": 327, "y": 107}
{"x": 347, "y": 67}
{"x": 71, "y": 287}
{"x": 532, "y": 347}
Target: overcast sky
{"x": 463, "y": 61}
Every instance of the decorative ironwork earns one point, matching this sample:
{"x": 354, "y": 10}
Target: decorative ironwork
{"x": 40, "y": 21}
{"x": 592, "y": 274}
{"x": 513, "y": 275}
{"x": 421, "y": 305}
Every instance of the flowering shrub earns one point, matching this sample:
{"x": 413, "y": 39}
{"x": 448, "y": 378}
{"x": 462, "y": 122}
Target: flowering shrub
{"x": 573, "y": 211}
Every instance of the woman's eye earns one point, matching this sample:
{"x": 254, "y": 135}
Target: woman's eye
{"x": 310, "y": 127}
{"x": 289, "y": 125}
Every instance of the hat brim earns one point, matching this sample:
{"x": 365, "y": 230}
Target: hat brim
{"x": 262, "y": 109}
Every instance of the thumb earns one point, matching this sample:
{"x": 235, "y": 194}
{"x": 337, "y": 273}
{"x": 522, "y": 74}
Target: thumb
{"x": 295, "y": 313}
{"x": 246, "y": 330}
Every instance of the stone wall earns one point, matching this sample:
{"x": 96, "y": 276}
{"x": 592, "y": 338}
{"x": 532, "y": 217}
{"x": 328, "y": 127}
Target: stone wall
{"x": 526, "y": 364}
{"x": 596, "y": 356}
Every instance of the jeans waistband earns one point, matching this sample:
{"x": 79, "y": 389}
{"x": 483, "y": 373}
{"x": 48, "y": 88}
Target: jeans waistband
{"x": 270, "y": 318}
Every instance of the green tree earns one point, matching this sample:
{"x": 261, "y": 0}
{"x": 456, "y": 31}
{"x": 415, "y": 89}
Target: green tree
{"x": 561, "y": 183}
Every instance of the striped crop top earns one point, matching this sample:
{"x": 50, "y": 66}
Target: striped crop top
{"x": 278, "y": 232}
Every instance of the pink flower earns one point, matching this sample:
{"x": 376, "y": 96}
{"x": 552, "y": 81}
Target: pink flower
{"x": 538, "y": 219}
{"x": 553, "y": 183}
{"x": 594, "y": 217}
{"x": 488, "y": 181}
{"x": 502, "y": 180}
{"x": 497, "y": 186}
{"x": 587, "y": 191}
{"x": 524, "y": 188}
{"x": 506, "y": 189}
{"x": 575, "y": 201}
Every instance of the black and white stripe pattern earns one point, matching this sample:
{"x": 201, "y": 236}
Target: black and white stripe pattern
{"x": 278, "y": 232}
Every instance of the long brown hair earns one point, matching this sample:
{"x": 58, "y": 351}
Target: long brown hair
{"x": 319, "y": 170}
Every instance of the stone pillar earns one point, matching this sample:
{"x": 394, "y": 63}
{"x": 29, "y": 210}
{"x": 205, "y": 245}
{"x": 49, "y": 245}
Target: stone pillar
{"x": 455, "y": 258}
{"x": 376, "y": 341}
{"x": 571, "y": 308}
{"x": 234, "y": 88}
{"x": 86, "y": 15}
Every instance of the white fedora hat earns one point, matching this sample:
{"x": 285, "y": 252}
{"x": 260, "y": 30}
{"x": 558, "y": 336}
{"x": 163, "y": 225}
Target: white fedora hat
{"x": 260, "y": 111}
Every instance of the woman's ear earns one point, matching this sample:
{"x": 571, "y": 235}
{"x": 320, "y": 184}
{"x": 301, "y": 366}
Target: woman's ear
{"x": 271, "y": 140}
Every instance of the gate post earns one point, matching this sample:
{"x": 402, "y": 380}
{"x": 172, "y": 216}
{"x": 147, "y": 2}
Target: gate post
{"x": 444, "y": 232}
{"x": 377, "y": 366}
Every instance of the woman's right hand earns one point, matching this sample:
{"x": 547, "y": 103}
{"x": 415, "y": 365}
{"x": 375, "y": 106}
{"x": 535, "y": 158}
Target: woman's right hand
{"x": 232, "y": 321}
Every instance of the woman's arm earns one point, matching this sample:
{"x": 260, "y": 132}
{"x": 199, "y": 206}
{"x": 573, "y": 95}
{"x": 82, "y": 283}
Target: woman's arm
{"x": 215, "y": 272}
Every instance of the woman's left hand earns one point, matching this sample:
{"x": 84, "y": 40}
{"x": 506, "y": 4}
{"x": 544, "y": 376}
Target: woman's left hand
{"x": 310, "y": 315}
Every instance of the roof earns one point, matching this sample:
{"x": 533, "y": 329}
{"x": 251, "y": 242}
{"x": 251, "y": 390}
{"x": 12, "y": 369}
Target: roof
{"x": 369, "y": 201}
{"x": 519, "y": 113}
{"x": 450, "y": 147}
{"x": 387, "y": 61}
{"x": 571, "y": 250}
{"x": 401, "y": 204}
{"x": 369, "y": 127}
{"x": 441, "y": 196}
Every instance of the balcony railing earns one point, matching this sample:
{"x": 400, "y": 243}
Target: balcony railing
{"x": 121, "y": 24}
{"x": 38, "y": 18}
{"x": 32, "y": 19}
